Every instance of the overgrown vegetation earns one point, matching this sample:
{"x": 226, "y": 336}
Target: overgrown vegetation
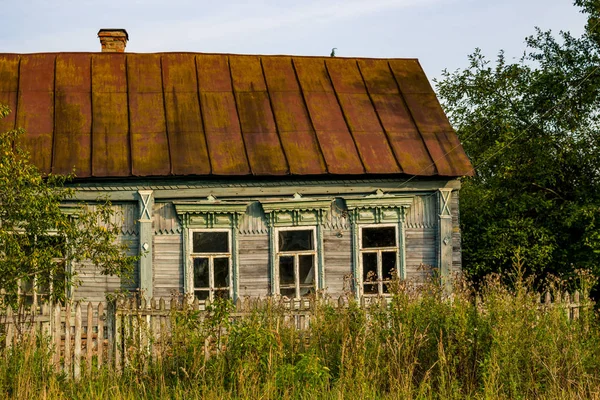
{"x": 39, "y": 239}
{"x": 531, "y": 129}
{"x": 498, "y": 345}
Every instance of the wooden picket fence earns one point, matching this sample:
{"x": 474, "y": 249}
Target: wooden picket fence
{"x": 81, "y": 336}
{"x": 85, "y": 337}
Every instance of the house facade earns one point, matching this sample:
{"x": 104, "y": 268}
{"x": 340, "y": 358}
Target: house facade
{"x": 248, "y": 175}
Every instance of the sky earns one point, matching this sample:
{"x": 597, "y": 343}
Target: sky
{"x": 440, "y": 33}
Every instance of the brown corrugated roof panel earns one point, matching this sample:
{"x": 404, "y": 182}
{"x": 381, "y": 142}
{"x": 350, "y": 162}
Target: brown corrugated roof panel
{"x": 73, "y": 115}
{"x": 187, "y": 142}
{"x": 295, "y": 129}
{"x": 9, "y": 85}
{"x": 226, "y": 146}
{"x": 35, "y": 111}
{"x": 337, "y": 144}
{"x": 370, "y": 140}
{"x": 187, "y": 114}
{"x": 256, "y": 117}
{"x": 147, "y": 124}
{"x": 111, "y": 151}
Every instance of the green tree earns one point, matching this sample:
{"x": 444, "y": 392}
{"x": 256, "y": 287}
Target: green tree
{"x": 38, "y": 239}
{"x": 532, "y": 131}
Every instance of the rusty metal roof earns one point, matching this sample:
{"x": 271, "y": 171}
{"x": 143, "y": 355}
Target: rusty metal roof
{"x": 187, "y": 114}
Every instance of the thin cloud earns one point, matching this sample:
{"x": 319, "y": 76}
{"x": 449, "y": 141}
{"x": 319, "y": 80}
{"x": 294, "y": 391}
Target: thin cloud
{"x": 244, "y": 23}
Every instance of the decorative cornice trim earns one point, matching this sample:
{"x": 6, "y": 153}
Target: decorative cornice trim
{"x": 209, "y": 207}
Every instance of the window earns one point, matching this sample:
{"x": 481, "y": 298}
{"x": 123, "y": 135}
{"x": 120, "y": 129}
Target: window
{"x": 47, "y": 251}
{"x": 296, "y": 262}
{"x": 378, "y": 257}
{"x": 211, "y": 261}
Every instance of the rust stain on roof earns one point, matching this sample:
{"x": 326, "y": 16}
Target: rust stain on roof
{"x": 188, "y": 114}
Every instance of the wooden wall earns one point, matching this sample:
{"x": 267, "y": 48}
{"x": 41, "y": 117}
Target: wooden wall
{"x": 168, "y": 264}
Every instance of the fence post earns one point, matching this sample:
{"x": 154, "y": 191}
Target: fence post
{"x": 576, "y": 305}
{"x": 110, "y": 330}
{"x": 89, "y": 337}
{"x": 56, "y": 335}
{"x": 68, "y": 339}
{"x": 100, "y": 338}
{"x": 10, "y": 329}
{"x": 77, "y": 350}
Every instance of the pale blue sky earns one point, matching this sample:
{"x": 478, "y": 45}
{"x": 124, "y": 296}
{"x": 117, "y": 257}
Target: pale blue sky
{"x": 440, "y": 33}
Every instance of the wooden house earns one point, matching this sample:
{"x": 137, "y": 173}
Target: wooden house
{"x": 248, "y": 175}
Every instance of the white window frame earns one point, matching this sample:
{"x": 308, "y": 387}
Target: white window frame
{"x": 378, "y": 251}
{"x": 211, "y": 256}
{"x": 314, "y": 252}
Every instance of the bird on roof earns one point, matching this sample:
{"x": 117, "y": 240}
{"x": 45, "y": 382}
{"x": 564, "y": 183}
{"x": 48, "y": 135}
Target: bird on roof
{"x": 333, "y": 52}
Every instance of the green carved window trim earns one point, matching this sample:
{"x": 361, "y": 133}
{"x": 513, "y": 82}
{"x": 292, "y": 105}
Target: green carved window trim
{"x": 207, "y": 216}
{"x": 374, "y": 210}
{"x": 296, "y": 213}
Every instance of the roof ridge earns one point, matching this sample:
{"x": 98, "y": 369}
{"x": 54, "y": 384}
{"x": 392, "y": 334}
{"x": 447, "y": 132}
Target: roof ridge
{"x": 211, "y": 54}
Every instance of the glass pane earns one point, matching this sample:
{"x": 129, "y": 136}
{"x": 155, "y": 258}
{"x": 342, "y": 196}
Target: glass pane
{"x": 369, "y": 267}
{"x": 221, "y": 294}
{"x": 291, "y": 293}
{"x": 307, "y": 291}
{"x": 370, "y": 288}
{"x": 27, "y": 286}
{"x": 388, "y": 264}
{"x": 201, "y": 272}
{"x": 221, "y": 266}
{"x": 307, "y": 269}
{"x": 378, "y": 237}
{"x": 296, "y": 240}
{"x": 211, "y": 242}
{"x": 286, "y": 270}
{"x": 201, "y": 294}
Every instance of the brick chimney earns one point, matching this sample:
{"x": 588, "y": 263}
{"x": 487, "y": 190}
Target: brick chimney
{"x": 113, "y": 40}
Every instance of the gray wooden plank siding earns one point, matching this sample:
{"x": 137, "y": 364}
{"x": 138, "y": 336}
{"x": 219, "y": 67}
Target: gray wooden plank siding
{"x": 456, "y": 235}
{"x": 253, "y": 265}
{"x": 253, "y": 268}
{"x": 165, "y": 219}
{"x": 338, "y": 260}
{"x": 421, "y": 253}
{"x": 93, "y": 286}
{"x": 167, "y": 265}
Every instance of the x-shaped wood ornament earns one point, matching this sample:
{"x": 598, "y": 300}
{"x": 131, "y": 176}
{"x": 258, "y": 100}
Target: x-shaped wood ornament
{"x": 445, "y": 196}
{"x": 146, "y": 197}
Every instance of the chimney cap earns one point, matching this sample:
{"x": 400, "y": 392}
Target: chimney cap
{"x": 108, "y": 31}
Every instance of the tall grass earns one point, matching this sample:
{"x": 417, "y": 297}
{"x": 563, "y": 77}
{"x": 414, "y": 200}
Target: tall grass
{"x": 497, "y": 343}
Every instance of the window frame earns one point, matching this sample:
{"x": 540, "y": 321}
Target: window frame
{"x": 211, "y": 256}
{"x": 36, "y": 293}
{"x": 378, "y": 250}
{"x": 314, "y": 252}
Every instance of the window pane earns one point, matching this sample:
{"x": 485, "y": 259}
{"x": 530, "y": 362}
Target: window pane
{"x": 369, "y": 267}
{"x": 221, "y": 266}
{"x": 201, "y": 272}
{"x": 286, "y": 270}
{"x": 371, "y": 288}
{"x": 378, "y": 237}
{"x": 211, "y": 242}
{"x": 307, "y": 291}
{"x": 291, "y": 293}
{"x": 296, "y": 240}
{"x": 388, "y": 264}
{"x": 221, "y": 294}
{"x": 307, "y": 269}
{"x": 201, "y": 294}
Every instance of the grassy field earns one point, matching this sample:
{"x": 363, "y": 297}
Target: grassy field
{"x": 500, "y": 346}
